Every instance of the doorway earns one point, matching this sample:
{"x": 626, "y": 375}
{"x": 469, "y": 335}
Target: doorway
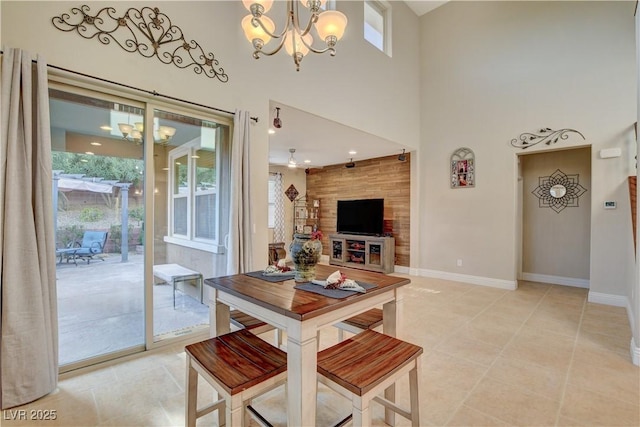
{"x": 555, "y": 199}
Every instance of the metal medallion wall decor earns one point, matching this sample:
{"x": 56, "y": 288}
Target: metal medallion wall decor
{"x": 463, "y": 168}
{"x": 146, "y": 31}
{"x": 558, "y": 191}
{"x": 546, "y": 135}
{"x": 291, "y": 192}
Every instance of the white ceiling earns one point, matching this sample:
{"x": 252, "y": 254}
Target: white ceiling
{"x": 420, "y": 7}
{"x": 323, "y": 142}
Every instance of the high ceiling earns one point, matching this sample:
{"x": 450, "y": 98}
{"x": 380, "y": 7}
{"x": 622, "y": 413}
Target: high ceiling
{"x": 420, "y": 7}
{"x": 324, "y": 142}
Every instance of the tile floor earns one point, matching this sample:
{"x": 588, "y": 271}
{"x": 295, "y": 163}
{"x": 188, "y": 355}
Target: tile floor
{"x": 538, "y": 356}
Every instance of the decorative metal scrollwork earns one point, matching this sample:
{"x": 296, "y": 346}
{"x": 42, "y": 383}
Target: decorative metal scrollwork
{"x": 558, "y": 191}
{"x": 546, "y": 135}
{"x": 146, "y": 31}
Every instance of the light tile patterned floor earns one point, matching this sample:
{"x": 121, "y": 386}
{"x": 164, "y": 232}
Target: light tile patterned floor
{"x": 538, "y": 356}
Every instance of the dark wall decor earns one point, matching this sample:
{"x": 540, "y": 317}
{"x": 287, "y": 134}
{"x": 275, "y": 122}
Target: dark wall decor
{"x": 558, "y": 191}
{"x": 291, "y": 192}
{"x": 463, "y": 168}
{"x": 546, "y": 135}
{"x": 146, "y": 31}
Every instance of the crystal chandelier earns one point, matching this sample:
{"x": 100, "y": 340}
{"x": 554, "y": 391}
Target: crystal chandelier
{"x": 297, "y": 41}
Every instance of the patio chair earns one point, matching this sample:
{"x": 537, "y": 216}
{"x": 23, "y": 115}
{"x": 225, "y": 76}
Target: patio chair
{"x": 92, "y": 245}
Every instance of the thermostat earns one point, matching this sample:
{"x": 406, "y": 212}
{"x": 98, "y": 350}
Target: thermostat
{"x": 609, "y": 205}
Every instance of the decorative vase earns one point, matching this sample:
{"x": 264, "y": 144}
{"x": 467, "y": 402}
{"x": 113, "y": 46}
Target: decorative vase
{"x": 305, "y": 253}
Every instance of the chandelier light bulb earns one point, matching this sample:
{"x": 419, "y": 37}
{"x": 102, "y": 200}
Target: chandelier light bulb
{"x": 257, "y": 7}
{"x": 330, "y": 26}
{"x": 125, "y": 129}
{"x": 139, "y": 126}
{"x": 253, "y": 33}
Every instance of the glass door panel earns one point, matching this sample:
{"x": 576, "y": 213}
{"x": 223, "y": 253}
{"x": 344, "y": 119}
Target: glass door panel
{"x": 97, "y": 191}
{"x": 186, "y": 220}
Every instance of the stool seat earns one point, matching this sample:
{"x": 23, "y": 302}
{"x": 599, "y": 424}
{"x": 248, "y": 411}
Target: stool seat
{"x": 364, "y": 365}
{"x": 239, "y": 366}
{"x": 370, "y": 319}
{"x": 238, "y": 360}
{"x": 242, "y": 320}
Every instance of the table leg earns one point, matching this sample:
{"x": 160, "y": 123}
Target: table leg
{"x": 302, "y": 385}
{"x": 392, "y": 317}
{"x": 219, "y": 316}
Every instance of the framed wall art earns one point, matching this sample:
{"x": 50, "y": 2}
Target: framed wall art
{"x": 463, "y": 168}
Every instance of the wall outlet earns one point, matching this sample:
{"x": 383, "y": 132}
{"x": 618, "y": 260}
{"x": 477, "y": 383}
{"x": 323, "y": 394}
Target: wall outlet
{"x": 459, "y": 263}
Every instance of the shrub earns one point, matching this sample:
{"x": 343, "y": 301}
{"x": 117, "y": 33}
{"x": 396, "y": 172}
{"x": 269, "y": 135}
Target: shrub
{"x": 115, "y": 234}
{"x": 137, "y": 213}
{"x": 70, "y": 234}
{"x": 91, "y": 215}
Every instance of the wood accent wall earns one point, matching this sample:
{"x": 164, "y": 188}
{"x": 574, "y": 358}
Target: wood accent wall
{"x": 384, "y": 177}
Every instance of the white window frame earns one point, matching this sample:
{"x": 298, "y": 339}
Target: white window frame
{"x": 190, "y": 149}
{"x": 384, "y": 8}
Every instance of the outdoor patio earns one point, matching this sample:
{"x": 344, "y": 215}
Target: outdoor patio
{"x": 101, "y": 308}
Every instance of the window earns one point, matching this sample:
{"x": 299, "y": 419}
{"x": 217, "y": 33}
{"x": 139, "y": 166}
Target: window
{"x": 272, "y": 201}
{"x": 377, "y": 24}
{"x": 196, "y": 171}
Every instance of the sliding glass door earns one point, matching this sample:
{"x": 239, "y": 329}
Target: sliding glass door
{"x": 98, "y": 210}
{"x": 141, "y": 194}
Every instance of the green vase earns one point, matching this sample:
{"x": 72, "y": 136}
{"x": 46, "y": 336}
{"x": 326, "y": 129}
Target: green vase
{"x": 305, "y": 253}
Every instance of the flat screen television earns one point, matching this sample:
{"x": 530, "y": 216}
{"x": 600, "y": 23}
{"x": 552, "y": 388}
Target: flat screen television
{"x": 361, "y": 216}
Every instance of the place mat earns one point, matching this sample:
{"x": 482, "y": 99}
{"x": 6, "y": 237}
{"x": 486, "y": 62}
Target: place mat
{"x": 332, "y": 293}
{"x": 271, "y": 278}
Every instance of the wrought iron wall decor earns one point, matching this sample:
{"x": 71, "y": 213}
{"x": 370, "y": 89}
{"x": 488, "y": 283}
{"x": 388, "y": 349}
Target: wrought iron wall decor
{"x": 463, "y": 168}
{"x": 558, "y": 191}
{"x": 546, "y": 135}
{"x": 146, "y": 31}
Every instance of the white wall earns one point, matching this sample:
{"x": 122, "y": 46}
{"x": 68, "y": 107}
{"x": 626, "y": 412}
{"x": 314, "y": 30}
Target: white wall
{"x": 359, "y": 87}
{"x": 556, "y": 245}
{"x": 493, "y": 70}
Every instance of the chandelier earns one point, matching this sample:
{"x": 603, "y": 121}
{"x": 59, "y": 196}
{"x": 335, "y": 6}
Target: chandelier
{"x": 162, "y": 134}
{"x": 297, "y": 41}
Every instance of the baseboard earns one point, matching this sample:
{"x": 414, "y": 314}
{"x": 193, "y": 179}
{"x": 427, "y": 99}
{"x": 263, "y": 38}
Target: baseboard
{"x": 556, "y": 280}
{"x": 474, "y": 280}
{"x": 608, "y": 299}
{"x": 404, "y": 270}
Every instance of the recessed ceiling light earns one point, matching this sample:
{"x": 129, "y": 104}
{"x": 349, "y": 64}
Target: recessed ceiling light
{"x": 105, "y": 127}
{"x": 96, "y": 144}
{"x": 352, "y": 152}
{"x": 271, "y": 131}
{"x": 90, "y": 153}
{"x": 195, "y": 157}
{"x": 165, "y": 169}
{"x": 307, "y": 161}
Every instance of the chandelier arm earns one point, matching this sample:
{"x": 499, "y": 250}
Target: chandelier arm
{"x": 273, "y": 52}
{"x": 258, "y": 21}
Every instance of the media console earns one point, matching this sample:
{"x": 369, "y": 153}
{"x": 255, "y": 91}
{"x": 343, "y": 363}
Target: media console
{"x": 372, "y": 253}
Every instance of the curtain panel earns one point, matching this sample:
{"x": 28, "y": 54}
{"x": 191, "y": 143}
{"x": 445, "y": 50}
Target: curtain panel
{"x": 239, "y": 244}
{"x": 28, "y": 308}
{"x": 278, "y": 230}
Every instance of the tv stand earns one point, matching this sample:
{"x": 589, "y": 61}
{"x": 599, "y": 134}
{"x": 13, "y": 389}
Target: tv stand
{"x": 372, "y": 253}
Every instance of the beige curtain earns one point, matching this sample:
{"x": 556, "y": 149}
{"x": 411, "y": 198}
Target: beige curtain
{"x": 239, "y": 243}
{"x": 28, "y": 312}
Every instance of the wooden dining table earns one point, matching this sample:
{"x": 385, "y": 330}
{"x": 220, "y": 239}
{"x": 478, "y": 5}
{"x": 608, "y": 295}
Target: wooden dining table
{"x": 302, "y": 314}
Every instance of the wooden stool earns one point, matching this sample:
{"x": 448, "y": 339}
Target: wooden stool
{"x": 370, "y": 319}
{"x": 239, "y": 366}
{"x": 244, "y": 321}
{"x": 362, "y": 366}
